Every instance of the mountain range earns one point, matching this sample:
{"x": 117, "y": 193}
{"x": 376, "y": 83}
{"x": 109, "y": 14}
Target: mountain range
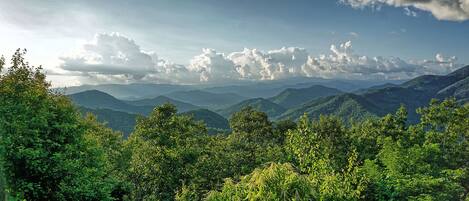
{"x": 379, "y": 101}
{"x": 247, "y": 89}
{"x": 214, "y": 105}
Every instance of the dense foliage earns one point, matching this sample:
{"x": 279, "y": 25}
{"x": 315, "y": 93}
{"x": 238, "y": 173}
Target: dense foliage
{"x": 49, "y": 151}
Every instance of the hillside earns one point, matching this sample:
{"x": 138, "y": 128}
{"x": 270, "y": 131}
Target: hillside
{"x": 294, "y": 97}
{"x": 211, "y": 119}
{"x": 128, "y": 91}
{"x": 116, "y": 120}
{"x": 459, "y": 90}
{"x": 95, "y": 99}
{"x": 206, "y": 99}
{"x": 413, "y": 94}
{"x": 153, "y": 102}
{"x": 270, "y": 88}
{"x": 270, "y": 108}
{"x": 346, "y": 106}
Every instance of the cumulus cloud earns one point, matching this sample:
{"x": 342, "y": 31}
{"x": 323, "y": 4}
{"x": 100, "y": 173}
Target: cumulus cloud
{"x": 253, "y": 64}
{"x": 114, "y": 58}
{"x": 344, "y": 63}
{"x": 454, "y": 10}
{"x": 212, "y": 66}
{"x": 111, "y": 56}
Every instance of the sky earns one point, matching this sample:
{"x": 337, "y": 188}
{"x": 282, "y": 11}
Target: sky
{"x": 213, "y": 41}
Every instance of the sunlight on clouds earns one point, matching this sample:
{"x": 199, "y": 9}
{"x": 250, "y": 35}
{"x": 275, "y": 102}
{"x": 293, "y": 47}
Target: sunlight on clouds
{"x": 115, "y": 58}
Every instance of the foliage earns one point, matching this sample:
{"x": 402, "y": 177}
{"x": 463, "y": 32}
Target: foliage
{"x": 275, "y": 182}
{"x": 162, "y": 147}
{"x": 44, "y": 153}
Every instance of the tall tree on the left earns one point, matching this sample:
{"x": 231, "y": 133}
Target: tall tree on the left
{"x": 43, "y": 152}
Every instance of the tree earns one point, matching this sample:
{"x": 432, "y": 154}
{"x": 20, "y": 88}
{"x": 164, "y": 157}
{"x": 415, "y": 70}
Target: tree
{"x": 281, "y": 129}
{"x": 274, "y": 182}
{"x": 44, "y": 155}
{"x": 254, "y": 123}
{"x": 426, "y": 161}
{"x": 163, "y": 146}
{"x": 322, "y": 149}
{"x": 253, "y": 139}
{"x": 116, "y": 157}
{"x": 325, "y": 140}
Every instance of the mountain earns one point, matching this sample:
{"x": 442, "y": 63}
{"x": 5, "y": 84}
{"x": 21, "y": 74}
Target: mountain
{"x": 377, "y": 87}
{"x": 344, "y": 105}
{"x": 160, "y": 100}
{"x": 211, "y": 119}
{"x": 250, "y": 89}
{"x": 128, "y": 91}
{"x": 459, "y": 90}
{"x": 95, "y": 99}
{"x": 207, "y": 99}
{"x": 270, "y": 108}
{"x": 294, "y": 97}
{"x": 116, "y": 120}
{"x": 413, "y": 94}
{"x": 270, "y": 88}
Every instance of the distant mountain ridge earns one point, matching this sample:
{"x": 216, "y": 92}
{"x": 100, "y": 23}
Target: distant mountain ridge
{"x": 294, "y": 97}
{"x": 118, "y": 121}
{"x": 248, "y": 89}
{"x": 160, "y": 100}
{"x": 211, "y": 119}
{"x": 270, "y": 108}
{"x": 120, "y": 115}
{"x": 290, "y": 103}
{"x": 206, "y": 99}
{"x": 95, "y": 99}
{"x": 128, "y": 91}
{"x": 379, "y": 101}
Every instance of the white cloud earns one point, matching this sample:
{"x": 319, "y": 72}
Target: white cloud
{"x": 454, "y": 10}
{"x": 253, "y": 64}
{"x": 113, "y": 58}
{"x": 111, "y": 54}
{"x": 344, "y": 63}
{"x": 212, "y": 66}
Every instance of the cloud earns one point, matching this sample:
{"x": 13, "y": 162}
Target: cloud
{"x": 344, "y": 63}
{"x": 111, "y": 58}
{"x": 252, "y": 64}
{"x": 453, "y": 10}
{"x": 212, "y": 66}
{"x": 111, "y": 54}
{"x": 114, "y": 58}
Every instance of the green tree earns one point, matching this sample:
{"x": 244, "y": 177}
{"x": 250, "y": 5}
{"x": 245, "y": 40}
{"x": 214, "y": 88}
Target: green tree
{"x": 44, "y": 154}
{"x": 426, "y": 161}
{"x": 254, "y": 123}
{"x": 323, "y": 150}
{"x": 116, "y": 157}
{"x": 274, "y": 182}
{"x": 163, "y": 147}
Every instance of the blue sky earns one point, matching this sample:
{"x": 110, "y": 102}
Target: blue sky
{"x": 177, "y": 31}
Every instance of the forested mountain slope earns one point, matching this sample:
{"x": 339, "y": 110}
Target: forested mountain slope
{"x": 270, "y": 108}
{"x": 294, "y": 97}
{"x": 413, "y": 94}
